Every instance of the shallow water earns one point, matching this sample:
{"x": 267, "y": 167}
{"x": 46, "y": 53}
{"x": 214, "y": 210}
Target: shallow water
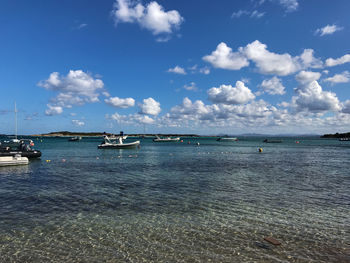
{"x": 178, "y": 202}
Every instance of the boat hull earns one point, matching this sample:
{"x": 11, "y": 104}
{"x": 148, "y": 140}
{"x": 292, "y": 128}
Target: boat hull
{"x": 13, "y": 160}
{"x": 119, "y": 146}
{"x": 167, "y": 140}
{"x": 27, "y": 154}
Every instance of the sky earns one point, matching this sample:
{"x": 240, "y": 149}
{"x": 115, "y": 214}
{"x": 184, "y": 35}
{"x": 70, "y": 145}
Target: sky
{"x": 185, "y": 66}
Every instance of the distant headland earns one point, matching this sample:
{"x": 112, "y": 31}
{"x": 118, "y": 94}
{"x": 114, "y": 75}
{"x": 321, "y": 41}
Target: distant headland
{"x": 337, "y": 135}
{"x": 98, "y": 134}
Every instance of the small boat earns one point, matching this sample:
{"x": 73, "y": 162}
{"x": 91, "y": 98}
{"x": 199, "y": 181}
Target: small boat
{"x": 111, "y": 144}
{"x": 75, "y": 139}
{"x": 166, "y": 139}
{"x": 21, "y": 147}
{"x": 227, "y": 139}
{"x": 13, "y": 160}
{"x": 344, "y": 139}
{"x": 272, "y": 141}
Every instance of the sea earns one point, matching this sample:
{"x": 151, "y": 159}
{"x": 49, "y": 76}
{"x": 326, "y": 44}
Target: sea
{"x": 199, "y": 200}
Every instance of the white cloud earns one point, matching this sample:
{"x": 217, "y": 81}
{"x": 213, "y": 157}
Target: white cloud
{"x": 268, "y": 62}
{"x": 273, "y": 86}
{"x": 346, "y": 107}
{"x": 330, "y": 62}
{"x": 289, "y": 5}
{"x": 191, "y": 87}
{"x": 227, "y": 94}
{"x": 77, "y": 88}
{"x": 189, "y": 110}
{"x": 239, "y": 13}
{"x": 253, "y": 14}
{"x": 78, "y": 123}
{"x": 177, "y": 70}
{"x": 224, "y": 58}
{"x": 150, "y": 106}
{"x": 257, "y": 14}
{"x": 53, "y": 110}
{"x": 204, "y": 70}
{"x": 339, "y": 78}
{"x": 152, "y": 16}
{"x": 120, "y": 103}
{"x": 328, "y": 30}
{"x": 306, "y": 77}
{"x": 311, "y": 98}
{"x": 131, "y": 119}
{"x": 309, "y": 61}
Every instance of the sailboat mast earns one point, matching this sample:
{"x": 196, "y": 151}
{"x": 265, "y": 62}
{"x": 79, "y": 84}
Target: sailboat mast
{"x": 15, "y": 122}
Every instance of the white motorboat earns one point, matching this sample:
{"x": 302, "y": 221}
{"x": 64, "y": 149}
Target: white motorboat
{"x": 13, "y": 160}
{"x": 166, "y": 139}
{"x": 111, "y": 144}
{"x": 227, "y": 139}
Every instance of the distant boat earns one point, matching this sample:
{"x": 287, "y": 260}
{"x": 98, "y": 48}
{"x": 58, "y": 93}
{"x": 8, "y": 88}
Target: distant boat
{"x": 272, "y": 141}
{"x": 227, "y": 139}
{"x": 344, "y": 139}
{"x": 13, "y": 160}
{"x": 74, "y": 139}
{"x": 109, "y": 143}
{"x": 166, "y": 139}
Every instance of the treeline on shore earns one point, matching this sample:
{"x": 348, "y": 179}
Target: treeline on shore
{"x": 68, "y": 133}
{"x": 337, "y": 135}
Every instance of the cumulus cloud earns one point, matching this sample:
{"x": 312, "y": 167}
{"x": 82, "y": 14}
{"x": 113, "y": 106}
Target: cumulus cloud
{"x": 77, "y": 88}
{"x": 273, "y": 86}
{"x": 227, "y": 94}
{"x": 224, "y": 58}
{"x": 339, "y": 78}
{"x": 150, "y": 106}
{"x": 305, "y": 77}
{"x": 309, "y": 61}
{"x": 269, "y": 62}
{"x": 151, "y": 16}
{"x": 330, "y": 62}
{"x": 311, "y": 98}
{"x": 191, "y": 110}
{"x": 78, "y": 123}
{"x": 346, "y": 107}
{"x": 177, "y": 70}
{"x": 328, "y": 30}
{"x": 120, "y": 103}
{"x": 131, "y": 119}
{"x": 53, "y": 110}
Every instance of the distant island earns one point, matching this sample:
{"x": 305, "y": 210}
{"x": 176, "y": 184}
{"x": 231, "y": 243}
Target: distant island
{"x": 337, "y": 135}
{"x": 100, "y": 134}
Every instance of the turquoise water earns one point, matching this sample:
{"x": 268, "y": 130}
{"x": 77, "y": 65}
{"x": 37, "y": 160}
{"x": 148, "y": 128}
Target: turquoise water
{"x": 178, "y": 202}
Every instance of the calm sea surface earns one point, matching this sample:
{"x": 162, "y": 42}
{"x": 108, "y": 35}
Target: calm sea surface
{"x": 178, "y": 202}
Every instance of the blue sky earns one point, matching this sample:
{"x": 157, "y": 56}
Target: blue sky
{"x": 273, "y": 66}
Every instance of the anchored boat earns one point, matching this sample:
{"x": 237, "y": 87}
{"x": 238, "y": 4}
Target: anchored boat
{"x": 108, "y": 143}
{"x": 166, "y": 139}
{"x": 22, "y": 147}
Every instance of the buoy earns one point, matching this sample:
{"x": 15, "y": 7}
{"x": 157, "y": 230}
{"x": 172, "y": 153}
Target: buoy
{"x": 48, "y": 161}
{"x": 182, "y": 141}
{"x": 260, "y": 150}
{"x": 197, "y": 144}
{"x": 296, "y": 141}
{"x": 63, "y": 160}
